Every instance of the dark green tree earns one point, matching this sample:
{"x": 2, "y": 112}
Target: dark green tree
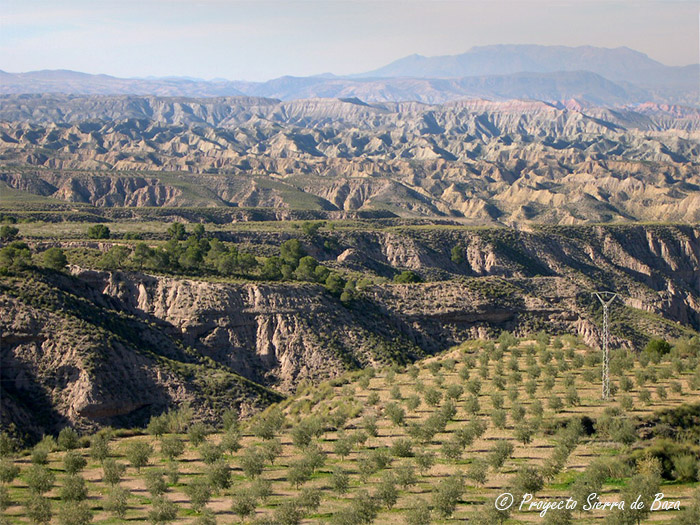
{"x": 98, "y": 231}
{"x": 407, "y": 277}
{"x": 8, "y": 233}
{"x": 55, "y": 259}
{"x": 291, "y": 252}
{"x": 457, "y": 254}
{"x": 177, "y": 231}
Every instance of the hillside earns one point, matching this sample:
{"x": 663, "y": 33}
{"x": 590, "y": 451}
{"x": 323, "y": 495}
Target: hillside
{"x": 212, "y": 334}
{"x": 435, "y": 442}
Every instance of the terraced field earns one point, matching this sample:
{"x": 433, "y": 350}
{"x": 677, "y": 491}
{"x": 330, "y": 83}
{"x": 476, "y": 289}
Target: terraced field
{"x": 430, "y": 443}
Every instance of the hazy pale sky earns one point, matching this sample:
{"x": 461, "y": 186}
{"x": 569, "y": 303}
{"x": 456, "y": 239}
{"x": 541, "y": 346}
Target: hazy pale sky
{"x": 259, "y": 40}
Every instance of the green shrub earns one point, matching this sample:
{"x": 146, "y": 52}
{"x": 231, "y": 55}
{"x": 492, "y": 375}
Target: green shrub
{"x": 8, "y": 471}
{"x": 500, "y": 452}
{"x": 172, "y": 472}
{"x": 498, "y": 417}
{"x": 626, "y": 403}
{"x": 448, "y": 494}
{"x": 252, "y": 462}
{"x": 343, "y": 445}
{"x": 424, "y": 460}
{"x": 231, "y": 440}
{"x": 15, "y": 256}
{"x": 309, "y": 499}
{"x": 162, "y": 511}
{"x": 5, "y": 499}
{"x": 477, "y": 471}
{"x": 363, "y": 509}
{"x": 268, "y": 424}
{"x": 210, "y": 452}
{"x": 314, "y": 457}
{"x": 557, "y": 516}
{"x": 524, "y": 432}
{"x": 73, "y": 488}
{"x": 457, "y": 254}
{"x": 685, "y": 468}
{"x": 407, "y": 277}
{"x": 261, "y": 489}
{"x": 230, "y": 419}
{"x": 452, "y": 448}
{"x": 138, "y": 453}
{"x": 98, "y": 231}
{"x": 418, "y": 514}
{"x": 99, "y": 446}
{"x": 68, "y": 439}
{"x": 555, "y": 403}
{"x": 177, "y": 231}
{"x": 155, "y": 482}
{"x": 207, "y": 517}
{"x": 644, "y": 396}
{"x": 171, "y": 447}
{"x": 158, "y": 425}
{"x": 197, "y": 433}
{"x": 8, "y": 445}
{"x": 661, "y": 392}
{"x": 39, "y": 479}
{"x": 117, "y": 501}
{"x": 471, "y": 405}
{"x": 199, "y": 492}
{"x": 369, "y": 424}
{"x": 73, "y": 462}
{"x": 112, "y": 471}
{"x": 528, "y": 480}
{"x": 288, "y": 513}
{"x": 396, "y": 414}
{"x": 402, "y": 448}
{"x": 387, "y": 493}
{"x": 412, "y": 402}
{"x": 243, "y": 503}
{"x": 340, "y": 480}
{"x": 38, "y": 509}
{"x": 623, "y": 431}
{"x": 432, "y": 397}
{"x": 405, "y": 476}
{"x": 40, "y": 455}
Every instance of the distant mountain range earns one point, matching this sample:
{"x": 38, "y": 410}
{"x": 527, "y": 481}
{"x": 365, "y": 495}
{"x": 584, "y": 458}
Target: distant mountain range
{"x": 592, "y": 75}
{"x": 619, "y": 64}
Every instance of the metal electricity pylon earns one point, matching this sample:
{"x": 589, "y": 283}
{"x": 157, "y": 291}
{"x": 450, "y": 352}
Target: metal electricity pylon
{"x": 605, "y": 299}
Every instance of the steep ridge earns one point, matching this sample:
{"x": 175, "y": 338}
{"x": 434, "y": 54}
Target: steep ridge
{"x": 483, "y": 161}
{"x": 229, "y": 112}
{"x": 72, "y": 355}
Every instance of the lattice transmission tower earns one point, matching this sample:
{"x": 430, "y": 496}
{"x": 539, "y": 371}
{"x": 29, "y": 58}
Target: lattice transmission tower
{"x": 605, "y": 299}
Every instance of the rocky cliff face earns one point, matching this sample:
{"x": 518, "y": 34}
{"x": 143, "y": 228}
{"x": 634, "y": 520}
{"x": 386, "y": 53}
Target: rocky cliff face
{"x": 113, "y": 348}
{"x": 71, "y": 354}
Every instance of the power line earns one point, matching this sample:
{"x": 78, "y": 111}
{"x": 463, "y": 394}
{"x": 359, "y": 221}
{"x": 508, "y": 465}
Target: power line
{"x": 605, "y": 299}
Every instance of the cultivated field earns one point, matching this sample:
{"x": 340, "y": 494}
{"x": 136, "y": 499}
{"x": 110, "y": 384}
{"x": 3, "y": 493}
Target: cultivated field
{"x": 431, "y": 443}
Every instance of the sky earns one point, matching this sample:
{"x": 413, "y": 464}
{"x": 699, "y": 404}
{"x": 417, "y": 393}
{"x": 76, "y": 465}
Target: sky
{"x": 263, "y": 39}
